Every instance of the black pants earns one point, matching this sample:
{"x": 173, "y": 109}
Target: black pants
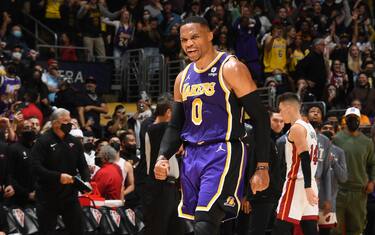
{"x": 257, "y": 222}
{"x": 160, "y": 209}
{"x": 309, "y": 227}
{"x": 3, "y": 220}
{"x": 324, "y": 231}
{"x": 71, "y": 213}
{"x": 370, "y": 228}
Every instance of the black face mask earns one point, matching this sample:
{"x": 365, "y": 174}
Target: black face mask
{"x": 116, "y": 146}
{"x": 130, "y": 149}
{"x": 328, "y": 134}
{"x": 88, "y": 147}
{"x": 66, "y": 128}
{"x": 352, "y": 123}
{"x": 28, "y": 137}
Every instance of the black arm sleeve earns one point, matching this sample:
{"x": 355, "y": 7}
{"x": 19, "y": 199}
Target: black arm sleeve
{"x": 306, "y": 168}
{"x": 258, "y": 113}
{"x": 171, "y": 139}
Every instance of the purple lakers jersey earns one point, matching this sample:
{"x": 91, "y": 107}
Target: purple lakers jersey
{"x": 212, "y": 112}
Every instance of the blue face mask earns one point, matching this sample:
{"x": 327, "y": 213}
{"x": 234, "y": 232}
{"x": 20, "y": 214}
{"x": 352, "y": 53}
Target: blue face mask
{"x": 17, "y": 34}
{"x": 278, "y": 77}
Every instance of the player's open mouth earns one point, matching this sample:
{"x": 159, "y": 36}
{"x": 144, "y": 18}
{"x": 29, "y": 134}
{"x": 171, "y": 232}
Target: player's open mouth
{"x": 192, "y": 51}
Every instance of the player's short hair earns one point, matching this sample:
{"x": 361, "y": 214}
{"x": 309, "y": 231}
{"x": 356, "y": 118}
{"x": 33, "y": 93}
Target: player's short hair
{"x": 289, "y": 97}
{"x": 196, "y": 20}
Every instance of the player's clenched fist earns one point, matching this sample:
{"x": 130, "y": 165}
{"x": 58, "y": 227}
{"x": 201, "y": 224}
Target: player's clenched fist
{"x": 161, "y": 169}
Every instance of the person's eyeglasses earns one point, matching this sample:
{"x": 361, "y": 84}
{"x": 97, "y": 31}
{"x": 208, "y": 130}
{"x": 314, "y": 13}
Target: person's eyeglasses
{"x": 123, "y": 113}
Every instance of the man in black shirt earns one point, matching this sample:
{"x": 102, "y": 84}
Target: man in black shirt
{"x": 56, "y": 156}
{"x": 19, "y": 165}
{"x": 313, "y": 68}
{"x": 162, "y": 198}
{"x": 90, "y": 106}
{"x": 66, "y": 98}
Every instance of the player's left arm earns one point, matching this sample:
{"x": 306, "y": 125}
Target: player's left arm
{"x": 238, "y": 78}
{"x": 297, "y": 134}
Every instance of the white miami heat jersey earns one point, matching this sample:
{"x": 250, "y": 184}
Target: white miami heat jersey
{"x": 293, "y": 161}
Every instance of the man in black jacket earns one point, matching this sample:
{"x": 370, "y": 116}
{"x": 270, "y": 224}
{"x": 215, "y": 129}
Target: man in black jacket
{"x": 19, "y": 166}
{"x": 313, "y": 69}
{"x": 56, "y": 156}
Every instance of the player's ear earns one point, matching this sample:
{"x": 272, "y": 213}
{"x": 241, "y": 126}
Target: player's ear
{"x": 210, "y": 35}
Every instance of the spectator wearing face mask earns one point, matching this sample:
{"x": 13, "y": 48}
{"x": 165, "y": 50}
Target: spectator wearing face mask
{"x": 129, "y": 147}
{"x": 56, "y": 158}
{"x": 16, "y": 38}
{"x": 125, "y": 166}
{"x": 360, "y": 161}
{"x": 335, "y": 172}
{"x": 364, "y": 120}
{"x": 17, "y": 56}
{"x": 109, "y": 178}
{"x": 19, "y": 165}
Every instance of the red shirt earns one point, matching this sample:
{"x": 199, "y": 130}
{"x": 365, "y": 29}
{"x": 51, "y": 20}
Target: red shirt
{"x": 68, "y": 54}
{"x": 32, "y": 111}
{"x": 109, "y": 181}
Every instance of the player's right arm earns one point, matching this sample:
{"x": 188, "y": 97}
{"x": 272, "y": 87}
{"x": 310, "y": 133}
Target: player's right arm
{"x": 297, "y": 135}
{"x": 171, "y": 141}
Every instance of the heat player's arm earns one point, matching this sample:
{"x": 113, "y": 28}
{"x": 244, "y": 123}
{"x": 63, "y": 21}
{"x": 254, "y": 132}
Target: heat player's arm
{"x": 298, "y": 134}
{"x": 171, "y": 141}
{"x": 238, "y": 78}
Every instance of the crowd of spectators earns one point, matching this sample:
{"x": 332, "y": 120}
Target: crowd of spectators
{"x": 322, "y": 50}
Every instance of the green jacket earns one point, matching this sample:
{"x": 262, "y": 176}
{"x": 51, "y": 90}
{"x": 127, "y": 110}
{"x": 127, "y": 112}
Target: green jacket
{"x": 360, "y": 159}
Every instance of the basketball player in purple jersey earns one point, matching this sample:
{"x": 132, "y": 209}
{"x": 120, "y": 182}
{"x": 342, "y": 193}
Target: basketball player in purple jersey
{"x": 210, "y": 94}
